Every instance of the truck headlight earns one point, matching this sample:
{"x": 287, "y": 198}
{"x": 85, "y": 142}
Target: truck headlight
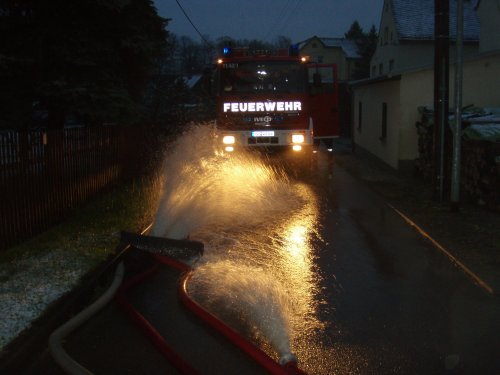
{"x": 228, "y": 140}
{"x": 298, "y": 138}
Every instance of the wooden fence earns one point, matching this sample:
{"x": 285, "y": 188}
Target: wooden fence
{"x": 46, "y": 174}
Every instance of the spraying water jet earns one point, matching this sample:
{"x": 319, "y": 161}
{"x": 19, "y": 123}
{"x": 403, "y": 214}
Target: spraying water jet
{"x": 205, "y": 188}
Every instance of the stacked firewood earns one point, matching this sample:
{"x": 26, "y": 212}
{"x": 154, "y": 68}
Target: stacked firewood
{"x": 480, "y": 159}
{"x": 481, "y": 172}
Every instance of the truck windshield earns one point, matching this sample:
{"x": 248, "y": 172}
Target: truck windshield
{"x": 262, "y": 76}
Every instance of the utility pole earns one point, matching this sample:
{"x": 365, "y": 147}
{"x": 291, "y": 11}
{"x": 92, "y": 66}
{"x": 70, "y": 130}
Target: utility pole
{"x": 441, "y": 90}
{"x": 457, "y": 133}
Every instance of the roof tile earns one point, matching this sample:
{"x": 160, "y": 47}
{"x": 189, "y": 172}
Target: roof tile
{"x": 415, "y": 19}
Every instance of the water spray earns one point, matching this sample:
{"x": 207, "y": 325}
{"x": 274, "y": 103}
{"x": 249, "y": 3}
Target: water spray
{"x": 289, "y": 362}
{"x": 203, "y": 186}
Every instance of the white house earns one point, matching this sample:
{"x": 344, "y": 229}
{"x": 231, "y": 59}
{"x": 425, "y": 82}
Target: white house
{"x": 489, "y": 14}
{"x": 385, "y": 107}
{"x": 406, "y": 35}
{"x": 340, "y": 51}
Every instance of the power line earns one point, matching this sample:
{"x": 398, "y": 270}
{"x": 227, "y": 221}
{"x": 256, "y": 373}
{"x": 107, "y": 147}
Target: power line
{"x": 282, "y": 20}
{"x": 191, "y": 22}
{"x": 293, "y": 11}
{"x": 283, "y": 11}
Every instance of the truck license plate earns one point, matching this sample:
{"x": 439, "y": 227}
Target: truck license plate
{"x": 263, "y": 133}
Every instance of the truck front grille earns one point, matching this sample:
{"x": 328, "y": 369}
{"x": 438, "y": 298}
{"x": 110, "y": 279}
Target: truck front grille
{"x": 263, "y": 140}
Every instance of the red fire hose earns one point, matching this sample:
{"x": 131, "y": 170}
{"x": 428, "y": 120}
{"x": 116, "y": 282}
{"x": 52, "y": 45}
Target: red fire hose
{"x": 253, "y": 351}
{"x": 165, "y": 349}
{"x": 179, "y": 363}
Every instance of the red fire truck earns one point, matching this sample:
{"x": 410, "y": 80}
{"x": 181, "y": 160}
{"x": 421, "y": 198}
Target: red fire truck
{"x": 275, "y": 101}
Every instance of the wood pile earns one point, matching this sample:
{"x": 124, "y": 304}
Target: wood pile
{"x": 481, "y": 172}
{"x": 480, "y": 168}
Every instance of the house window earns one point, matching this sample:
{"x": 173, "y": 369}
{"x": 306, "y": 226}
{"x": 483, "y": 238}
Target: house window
{"x": 383, "y": 132}
{"x": 391, "y": 65}
{"x": 380, "y": 69}
{"x": 374, "y": 70}
{"x": 386, "y": 35}
{"x": 360, "y": 115}
{"x": 320, "y": 59}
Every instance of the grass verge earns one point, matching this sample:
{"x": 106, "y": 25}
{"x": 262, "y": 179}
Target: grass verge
{"x": 39, "y": 271}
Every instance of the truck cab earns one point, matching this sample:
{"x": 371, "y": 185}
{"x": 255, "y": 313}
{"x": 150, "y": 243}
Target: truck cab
{"x": 264, "y": 100}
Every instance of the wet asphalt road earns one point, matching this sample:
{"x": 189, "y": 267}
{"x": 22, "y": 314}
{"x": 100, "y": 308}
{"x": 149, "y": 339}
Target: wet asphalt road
{"x": 376, "y": 297}
{"x": 396, "y": 304}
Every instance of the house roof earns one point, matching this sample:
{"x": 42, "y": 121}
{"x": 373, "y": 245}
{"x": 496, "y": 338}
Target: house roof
{"x": 349, "y": 47}
{"x": 192, "y": 80}
{"x": 415, "y": 19}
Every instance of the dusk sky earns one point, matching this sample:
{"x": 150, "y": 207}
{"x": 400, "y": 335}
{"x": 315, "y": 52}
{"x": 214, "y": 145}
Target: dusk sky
{"x": 267, "y": 19}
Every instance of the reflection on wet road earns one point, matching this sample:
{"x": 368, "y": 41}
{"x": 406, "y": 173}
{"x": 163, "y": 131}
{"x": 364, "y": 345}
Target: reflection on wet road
{"x": 264, "y": 274}
{"x": 324, "y": 268}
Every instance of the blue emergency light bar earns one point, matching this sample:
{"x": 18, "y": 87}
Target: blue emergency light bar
{"x": 294, "y": 50}
{"x": 228, "y": 51}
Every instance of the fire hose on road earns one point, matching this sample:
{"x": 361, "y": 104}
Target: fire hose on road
{"x": 57, "y": 337}
{"x": 156, "y": 246}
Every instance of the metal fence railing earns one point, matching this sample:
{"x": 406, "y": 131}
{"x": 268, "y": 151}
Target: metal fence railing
{"x": 45, "y": 174}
